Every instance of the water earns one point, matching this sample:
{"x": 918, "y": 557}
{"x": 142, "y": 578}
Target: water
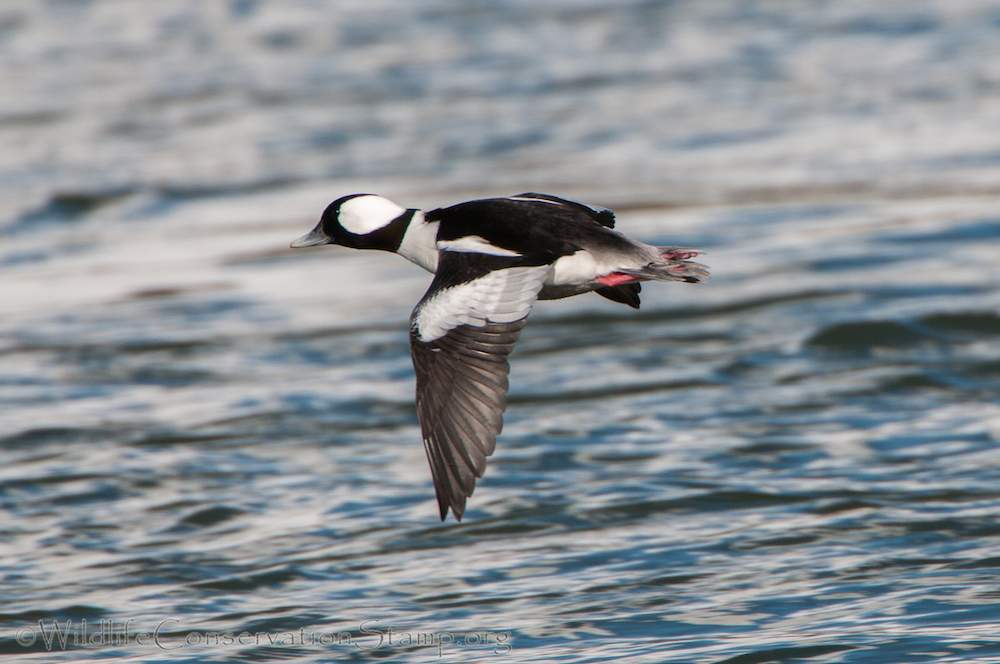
{"x": 208, "y": 434}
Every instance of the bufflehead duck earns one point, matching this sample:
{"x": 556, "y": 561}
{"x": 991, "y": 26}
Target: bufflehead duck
{"x": 491, "y": 260}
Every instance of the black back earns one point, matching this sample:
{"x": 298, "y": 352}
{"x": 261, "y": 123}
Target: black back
{"x": 540, "y": 231}
{"x": 603, "y": 216}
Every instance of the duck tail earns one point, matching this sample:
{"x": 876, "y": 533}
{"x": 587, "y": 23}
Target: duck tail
{"x": 675, "y": 266}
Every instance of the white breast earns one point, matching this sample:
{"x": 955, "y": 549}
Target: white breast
{"x": 419, "y": 244}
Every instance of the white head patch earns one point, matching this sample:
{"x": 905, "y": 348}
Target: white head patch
{"x": 365, "y": 214}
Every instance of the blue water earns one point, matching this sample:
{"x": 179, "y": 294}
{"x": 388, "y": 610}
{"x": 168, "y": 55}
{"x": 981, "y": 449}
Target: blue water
{"x": 209, "y": 446}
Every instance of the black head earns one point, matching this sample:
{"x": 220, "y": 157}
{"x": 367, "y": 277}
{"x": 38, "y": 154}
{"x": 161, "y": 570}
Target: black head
{"x": 360, "y": 221}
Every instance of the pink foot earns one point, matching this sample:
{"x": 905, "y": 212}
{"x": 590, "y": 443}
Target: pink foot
{"x": 680, "y": 255}
{"x": 616, "y": 279}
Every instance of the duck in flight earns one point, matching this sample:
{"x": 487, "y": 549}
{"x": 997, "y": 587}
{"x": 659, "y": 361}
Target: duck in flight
{"x": 491, "y": 260}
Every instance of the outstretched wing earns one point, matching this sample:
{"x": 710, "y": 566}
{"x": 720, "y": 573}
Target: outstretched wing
{"x": 461, "y": 333}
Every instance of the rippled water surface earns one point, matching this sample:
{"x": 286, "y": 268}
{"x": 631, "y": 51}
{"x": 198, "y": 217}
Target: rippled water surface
{"x": 211, "y": 439}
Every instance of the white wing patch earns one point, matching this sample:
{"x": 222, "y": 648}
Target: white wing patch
{"x": 473, "y": 244}
{"x": 502, "y": 296}
{"x": 531, "y": 199}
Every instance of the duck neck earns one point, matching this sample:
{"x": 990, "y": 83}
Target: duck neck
{"x": 419, "y": 243}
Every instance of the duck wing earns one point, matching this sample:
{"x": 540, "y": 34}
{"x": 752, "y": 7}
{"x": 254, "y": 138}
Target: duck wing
{"x": 461, "y": 333}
